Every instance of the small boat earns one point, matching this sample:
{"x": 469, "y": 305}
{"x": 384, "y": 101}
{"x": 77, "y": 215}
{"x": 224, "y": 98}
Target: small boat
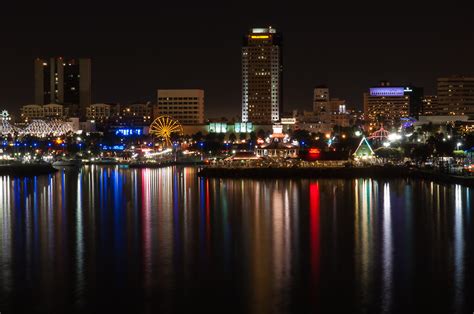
{"x": 67, "y": 163}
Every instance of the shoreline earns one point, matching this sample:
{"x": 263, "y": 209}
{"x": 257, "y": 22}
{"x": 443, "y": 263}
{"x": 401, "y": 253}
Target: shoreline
{"x": 373, "y": 172}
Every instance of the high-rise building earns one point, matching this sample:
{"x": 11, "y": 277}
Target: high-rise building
{"x": 456, "y": 96}
{"x": 430, "y": 105}
{"x": 388, "y": 104}
{"x": 320, "y": 98}
{"x": 65, "y": 81}
{"x": 185, "y": 105}
{"x": 262, "y": 76}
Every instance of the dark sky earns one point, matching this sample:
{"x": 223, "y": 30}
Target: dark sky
{"x": 137, "y": 48}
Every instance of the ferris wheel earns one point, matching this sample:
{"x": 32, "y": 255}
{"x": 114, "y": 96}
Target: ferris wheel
{"x": 164, "y": 126}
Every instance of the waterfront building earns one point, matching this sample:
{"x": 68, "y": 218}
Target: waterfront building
{"x": 455, "y": 96}
{"x": 65, "y": 81}
{"x": 262, "y": 68}
{"x": 184, "y": 105}
{"x": 387, "y": 104}
{"x": 278, "y": 145}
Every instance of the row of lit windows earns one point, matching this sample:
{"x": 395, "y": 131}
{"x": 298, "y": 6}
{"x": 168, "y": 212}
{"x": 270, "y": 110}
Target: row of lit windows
{"x": 180, "y": 112}
{"x": 178, "y": 108}
{"x": 180, "y": 103}
{"x": 177, "y": 98}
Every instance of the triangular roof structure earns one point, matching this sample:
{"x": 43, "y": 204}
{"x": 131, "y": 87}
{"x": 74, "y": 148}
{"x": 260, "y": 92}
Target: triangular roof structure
{"x": 364, "y": 149}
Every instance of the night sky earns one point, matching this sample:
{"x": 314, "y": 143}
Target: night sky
{"x": 137, "y": 49}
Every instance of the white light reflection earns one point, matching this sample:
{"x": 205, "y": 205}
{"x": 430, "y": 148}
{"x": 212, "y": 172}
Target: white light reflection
{"x": 387, "y": 255}
{"x": 79, "y": 238}
{"x": 458, "y": 248}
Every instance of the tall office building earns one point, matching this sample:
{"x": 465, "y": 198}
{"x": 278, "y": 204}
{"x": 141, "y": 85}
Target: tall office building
{"x": 387, "y": 104}
{"x": 262, "y": 76}
{"x": 456, "y": 96}
{"x": 65, "y": 81}
{"x": 185, "y": 105}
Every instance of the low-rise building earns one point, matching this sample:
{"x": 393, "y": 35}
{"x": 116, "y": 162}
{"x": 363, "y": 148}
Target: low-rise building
{"x": 99, "y": 112}
{"x": 137, "y": 113}
{"x": 54, "y": 111}
{"x": 49, "y": 111}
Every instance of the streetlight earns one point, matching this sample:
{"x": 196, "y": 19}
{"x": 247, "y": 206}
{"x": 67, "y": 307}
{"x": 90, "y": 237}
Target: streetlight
{"x": 459, "y": 144}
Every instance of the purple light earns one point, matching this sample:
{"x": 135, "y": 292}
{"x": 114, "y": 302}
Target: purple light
{"x": 387, "y": 91}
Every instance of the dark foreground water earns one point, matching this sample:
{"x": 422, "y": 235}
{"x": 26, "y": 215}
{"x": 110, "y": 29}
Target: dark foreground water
{"x": 110, "y": 240}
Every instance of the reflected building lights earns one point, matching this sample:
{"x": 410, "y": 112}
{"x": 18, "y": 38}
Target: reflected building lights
{"x": 458, "y": 248}
{"x": 364, "y": 237}
{"x": 387, "y": 253}
{"x": 168, "y": 230}
{"x": 314, "y": 230}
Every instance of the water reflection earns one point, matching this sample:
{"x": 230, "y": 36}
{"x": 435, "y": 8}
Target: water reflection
{"x": 387, "y": 256}
{"x": 165, "y": 240}
{"x": 458, "y": 248}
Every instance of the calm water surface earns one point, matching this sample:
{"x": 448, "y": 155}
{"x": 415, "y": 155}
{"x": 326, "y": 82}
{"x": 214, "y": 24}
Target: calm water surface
{"x": 111, "y": 240}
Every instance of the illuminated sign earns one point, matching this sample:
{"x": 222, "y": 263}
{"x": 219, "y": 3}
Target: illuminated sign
{"x": 314, "y": 154}
{"x": 129, "y": 132}
{"x": 113, "y": 147}
{"x": 387, "y": 91}
{"x": 259, "y": 36}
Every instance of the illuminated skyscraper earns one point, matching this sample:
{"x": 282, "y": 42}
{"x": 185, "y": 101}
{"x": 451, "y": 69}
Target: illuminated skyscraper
{"x": 64, "y": 81}
{"x": 262, "y": 76}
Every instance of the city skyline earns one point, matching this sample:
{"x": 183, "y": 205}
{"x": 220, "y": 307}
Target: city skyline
{"x": 347, "y": 61}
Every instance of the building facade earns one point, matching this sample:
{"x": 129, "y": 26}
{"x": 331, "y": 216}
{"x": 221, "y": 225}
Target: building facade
{"x": 320, "y": 98}
{"x": 455, "y": 95}
{"x": 184, "y": 105}
{"x": 65, "y": 81}
{"x": 388, "y": 104}
{"x": 430, "y": 105}
{"x": 136, "y": 114}
{"x": 49, "y": 111}
{"x": 101, "y": 112}
{"x": 262, "y": 80}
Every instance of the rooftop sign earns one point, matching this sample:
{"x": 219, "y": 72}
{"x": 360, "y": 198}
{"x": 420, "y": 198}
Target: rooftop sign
{"x": 387, "y": 91}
